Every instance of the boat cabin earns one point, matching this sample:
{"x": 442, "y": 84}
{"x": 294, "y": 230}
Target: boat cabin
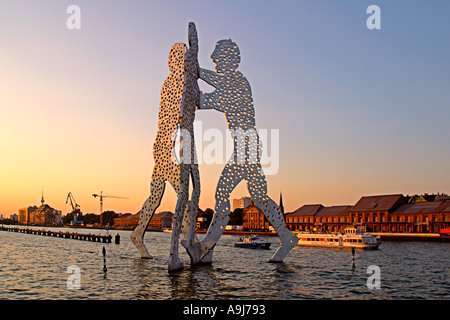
{"x": 354, "y": 231}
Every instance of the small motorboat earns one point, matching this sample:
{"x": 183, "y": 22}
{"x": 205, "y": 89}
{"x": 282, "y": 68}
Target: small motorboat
{"x": 252, "y": 242}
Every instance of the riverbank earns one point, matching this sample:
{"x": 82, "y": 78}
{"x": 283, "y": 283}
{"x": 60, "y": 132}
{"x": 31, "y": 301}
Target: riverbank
{"x": 384, "y": 236}
{"x": 431, "y": 237}
{"x": 245, "y": 233}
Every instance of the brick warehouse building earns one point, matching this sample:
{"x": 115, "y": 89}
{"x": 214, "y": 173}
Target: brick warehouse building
{"x": 382, "y": 213}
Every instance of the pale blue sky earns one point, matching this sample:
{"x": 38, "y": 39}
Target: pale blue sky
{"x": 360, "y": 111}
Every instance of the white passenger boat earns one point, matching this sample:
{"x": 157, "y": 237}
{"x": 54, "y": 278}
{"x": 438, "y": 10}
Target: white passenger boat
{"x": 352, "y": 238}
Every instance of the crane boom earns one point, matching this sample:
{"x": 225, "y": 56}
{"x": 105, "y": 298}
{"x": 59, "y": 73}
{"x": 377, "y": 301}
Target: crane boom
{"x": 101, "y": 196}
{"x": 107, "y": 196}
{"x": 73, "y": 203}
{"x": 75, "y": 208}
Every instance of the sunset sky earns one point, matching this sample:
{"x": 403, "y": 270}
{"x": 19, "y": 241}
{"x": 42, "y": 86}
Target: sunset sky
{"x": 359, "y": 111}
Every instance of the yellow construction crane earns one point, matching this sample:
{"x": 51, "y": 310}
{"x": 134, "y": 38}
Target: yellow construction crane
{"x": 101, "y": 196}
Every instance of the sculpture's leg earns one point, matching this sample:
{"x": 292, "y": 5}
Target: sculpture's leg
{"x": 148, "y": 209}
{"x": 194, "y": 248}
{"x": 186, "y": 222}
{"x": 194, "y": 202}
{"x": 288, "y": 240}
{"x": 174, "y": 180}
{"x": 257, "y": 186}
{"x": 231, "y": 176}
{"x": 173, "y": 176}
{"x": 174, "y": 260}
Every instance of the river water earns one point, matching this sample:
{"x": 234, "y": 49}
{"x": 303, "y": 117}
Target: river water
{"x": 35, "y": 267}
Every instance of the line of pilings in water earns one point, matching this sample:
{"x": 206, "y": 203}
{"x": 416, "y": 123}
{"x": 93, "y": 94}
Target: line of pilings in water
{"x": 64, "y": 235}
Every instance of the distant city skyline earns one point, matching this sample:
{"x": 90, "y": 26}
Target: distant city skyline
{"x": 360, "y": 112}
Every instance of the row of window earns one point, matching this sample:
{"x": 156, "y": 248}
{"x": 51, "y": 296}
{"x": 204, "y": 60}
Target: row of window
{"x": 374, "y": 218}
{"x": 317, "y": 219}
{"x": 320, "y": 239}
{"x": 331, "y": 240}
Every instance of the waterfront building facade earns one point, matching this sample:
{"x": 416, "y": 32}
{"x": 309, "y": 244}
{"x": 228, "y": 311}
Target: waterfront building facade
{"x": 43, "y": 215}
{"x": 126, "y": 221}
{"x": 159, "y": 221}
{"x": 375, "y": 211}
{"x": 381, "y": 213}
{"x": 24, "y": 214}
{"x": 318, "y": 218}
{"x": 253, "y": 219}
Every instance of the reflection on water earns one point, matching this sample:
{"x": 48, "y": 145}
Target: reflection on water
{"x": 35, "y": 267}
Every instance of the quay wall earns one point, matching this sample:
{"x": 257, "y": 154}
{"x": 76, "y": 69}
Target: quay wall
{"x": 430, "y": 237}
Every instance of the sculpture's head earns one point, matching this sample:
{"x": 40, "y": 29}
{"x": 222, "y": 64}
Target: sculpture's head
{"x": 176, "y": 57}
{"x": 226, "y": 56}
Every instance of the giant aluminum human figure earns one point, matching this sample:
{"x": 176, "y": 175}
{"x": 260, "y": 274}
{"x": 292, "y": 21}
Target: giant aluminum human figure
{"x": 188, "y": 161}
{"x": 233, "y": 97}
{"x": 165, "y": 168}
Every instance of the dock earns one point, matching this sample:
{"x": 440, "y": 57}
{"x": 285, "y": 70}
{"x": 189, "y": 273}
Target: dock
{"x": 61, "y": 234}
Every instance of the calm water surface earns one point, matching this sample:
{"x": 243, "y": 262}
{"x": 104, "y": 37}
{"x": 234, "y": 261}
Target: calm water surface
{"x": 35, "y": 267}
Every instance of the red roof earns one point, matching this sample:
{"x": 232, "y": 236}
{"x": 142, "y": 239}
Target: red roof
{"x": 379, "y": 203}
{"x": 126, "y": 216}
{"x": 320, "y": 210}
{"x": 334, "y": 211}
{"x": 161, "y": 215}
{"x": 307, "y": 210}
{"x": 423, "y": 207}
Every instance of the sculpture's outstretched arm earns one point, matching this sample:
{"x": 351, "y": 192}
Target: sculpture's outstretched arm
{"x": 211, "y": 101}
{"x": 210, "y": 77}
